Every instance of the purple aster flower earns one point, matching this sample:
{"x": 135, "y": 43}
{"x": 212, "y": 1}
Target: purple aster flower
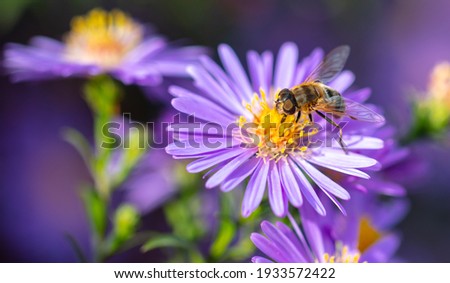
{"x": 101, "y": 42}
{"x": 363, "y": 236}
{"x": 275, "y": 156}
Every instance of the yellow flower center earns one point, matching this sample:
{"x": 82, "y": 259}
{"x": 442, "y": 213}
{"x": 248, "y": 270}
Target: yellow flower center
{"x": 368, "y": 235}
{"x": 266, "y": 129}
{"x": 342, "y": 255}
{"x": 102, "y": 38}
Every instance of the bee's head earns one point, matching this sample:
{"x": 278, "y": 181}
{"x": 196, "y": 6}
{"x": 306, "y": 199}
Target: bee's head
{"x": 286, "y": 103}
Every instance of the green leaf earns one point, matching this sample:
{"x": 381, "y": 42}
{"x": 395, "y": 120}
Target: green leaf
{"x": 223, "y": 239}
{"x": 125, "y": 222}
{"x": 97, "y": 212}
{"x": 164, "y": 241}
{"x": 79, "y": 142}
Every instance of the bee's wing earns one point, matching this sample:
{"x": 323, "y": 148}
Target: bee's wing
{"x": 331, "y": 65}
{"x": 341, "y": 106}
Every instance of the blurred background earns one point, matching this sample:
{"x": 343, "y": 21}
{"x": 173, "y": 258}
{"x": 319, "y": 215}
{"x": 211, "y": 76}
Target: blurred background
{"x": 395, "y": 45}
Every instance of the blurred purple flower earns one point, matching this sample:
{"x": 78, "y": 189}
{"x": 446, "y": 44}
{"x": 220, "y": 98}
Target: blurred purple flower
{"x": 363, "y": 236}
{"x": 101, "y": 42}
{"x": 279, "y": 159}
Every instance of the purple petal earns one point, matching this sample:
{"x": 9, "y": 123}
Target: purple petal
{"x": 360, "y": 95}
{"x": 259, "y": 259}
{"x": 282, "y": 242}
{"x": 268, "y": 247}
{"x": 235, "y": 70}
{"x": 213, "y": 159}
{"x": 348, "y": 171}
{"x": 226, "y": 170}
{"x": 338, "y": 158}
{"x": 323, "y": 181}
{"x": 285, "y": 67}
{"x": 255, "y": 189}
{"x": 382, "y": 250}
{"x": 307, "y": 189}
{"x": 343, "y": 81}
{"x": 289, "y": 183}
{"x": 239, "y": 175}
{"x": 276, "y": 196}
{"x": 202, "y": 108}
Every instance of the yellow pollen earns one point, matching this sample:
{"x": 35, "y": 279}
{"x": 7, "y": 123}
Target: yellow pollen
{"x": 273, "y": 137}
{"x": 342, "y": 256}
{"x": 102, "y": 38}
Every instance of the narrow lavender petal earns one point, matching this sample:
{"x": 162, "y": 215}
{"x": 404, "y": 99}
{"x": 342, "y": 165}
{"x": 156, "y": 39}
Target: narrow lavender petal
{"x": 282, "y": 242}
{"x": 235, "y": 70}
{"x": 256, "y": 71}
{"x": 335, "y": 201}
{"x": 307, "y": 189}
{"x": 230, "y": 87}
{"x": 149, "y": 47}
{"x": 255, "y": 189}
{"x": 203, "y": 109}
{"x": 268, "y": 247}
{"x": 181, "y": 149}
{"x": 240, "y": 174}
{"x": 213, "y": 159}
{"x": 323, "y": 181}
{"x": 141, "y": 74}
{"x": 385, "y": 188}
{"x": 338, "y": 158}
{"x": 382, "y": 250}
{"x": 359, "y": 142}
{"x": 307, "y": 65}
{"x": 285, "y": 67}
{"x": 214, "y": 91}
{"x": 260, "y": 259}
{"x": 348, "y": 171}
{"x": 47, "y": 43}
{"x": 289, "y": 183}
{"x": 226, "y": 170}
{"x": 276, "y": 196}
{"x": 343, "y": 81}
{"x": 267, "y": 60}
{"x": 302, "y": 247}
{"x": 313, "y": 234}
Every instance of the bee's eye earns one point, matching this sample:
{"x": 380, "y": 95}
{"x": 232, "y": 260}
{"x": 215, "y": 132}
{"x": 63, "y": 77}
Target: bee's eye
{"x": 288, "y": 107}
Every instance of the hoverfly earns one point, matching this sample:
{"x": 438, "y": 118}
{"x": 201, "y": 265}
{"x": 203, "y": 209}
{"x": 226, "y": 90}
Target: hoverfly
{"x": 313, "y": 95}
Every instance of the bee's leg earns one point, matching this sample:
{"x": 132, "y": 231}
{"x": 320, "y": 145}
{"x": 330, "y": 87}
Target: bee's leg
{"x": 341, "y": 142}
{"x": 299, "y": 114}
{"x": 283, "y": 118}
{"x": 310, "y": 117}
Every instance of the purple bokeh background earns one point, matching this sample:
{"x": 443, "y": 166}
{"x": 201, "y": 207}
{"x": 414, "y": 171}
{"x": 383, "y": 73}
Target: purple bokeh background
{"x": 394, "y": 47}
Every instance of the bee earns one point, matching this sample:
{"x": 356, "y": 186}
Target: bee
{"x": 313, "y": 95}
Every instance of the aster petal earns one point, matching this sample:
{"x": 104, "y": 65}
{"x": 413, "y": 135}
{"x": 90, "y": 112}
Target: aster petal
{"x": 180, "y": 149}
{"x": 285, "y": 67}
{"x": 382, "y": 250}
{"x": 289, "y": 183}
{"x": 360, "y": 142}
{"x": 348, "y": 171}
{"x": 226, "y": 170}
{"x": 338, "y": 158}
{"x": 260, "y": 259}
{"x": 256, "y": 71}
{"x": 213, "y": 159}
{"x": 282, "y": 242}
{"x": 255, "y": 189}
{"x": 46, "y": 43}
{"x": 267, "y": 60}
{"x": 268, "y": 247}
{"x": 235, "y": 70}
{"x": 322, "y": 180}
{"x": 202, "y": 108}
{"x": 343, "y": 81}
{"x": 307, "y": 65}
{"x": 313, "y": 233}
{"x": 302, "y": 247}
{"x": 239, "y": 175}
{"x": 277, "y": 199}
{"x": 307, "y": 189}
{"x": 215, "y": 91}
